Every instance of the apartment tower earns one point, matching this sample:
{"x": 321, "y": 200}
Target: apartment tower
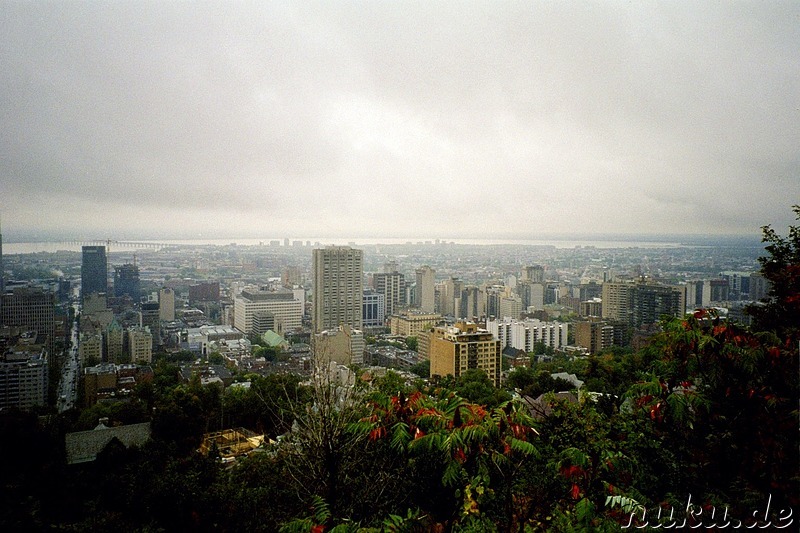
{"x": 338, "y": 273}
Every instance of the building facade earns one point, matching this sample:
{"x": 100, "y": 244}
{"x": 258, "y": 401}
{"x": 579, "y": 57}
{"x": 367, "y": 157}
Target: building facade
{"x": 126, "y": 281}
{"x": 252, "y": 310}
{"x": 343, "y": 345}
{"x": 411, "y": 323}
{"x": 338, "y": 273}
{"x": 94, "y": 270}
{"x": 455, "y": 349}
{"x": 374, "y": 309}
{"x": 595, "y": 336}
{"x": 642, "y": 302}
{"x": 140, "y": 343}
{"x": 24, "y": 374}
{"x": 32, "y": 309}
{"x": 425, "y": 292}
{"x": 166, "y": 303}
{"x": 525, "y": 334}
{"x": 393, "y": 287}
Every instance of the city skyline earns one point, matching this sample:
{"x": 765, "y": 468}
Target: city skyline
{"x": 361, "y": 120}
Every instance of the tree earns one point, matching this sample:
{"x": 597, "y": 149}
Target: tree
{"x": 411, "y": 343}
{"x": 781, "y": 312}
{"x": 721, "y": 395}
{"x": 473, "y": 453}
{"x": 534, "y": 383}
{"x": 422, "y": 369}
{"x": 475, "y": 386}
{"x": 321, "y": 452}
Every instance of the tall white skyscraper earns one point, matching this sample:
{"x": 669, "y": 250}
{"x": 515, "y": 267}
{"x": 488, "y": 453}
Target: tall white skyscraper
{"x": 338, "y": 288}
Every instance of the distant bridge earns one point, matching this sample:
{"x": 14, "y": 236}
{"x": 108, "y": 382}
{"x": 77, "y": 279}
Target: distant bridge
{"x": 120, "y": 244}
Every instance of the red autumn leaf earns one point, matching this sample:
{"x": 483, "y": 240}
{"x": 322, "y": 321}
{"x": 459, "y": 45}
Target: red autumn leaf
{"x": 576, "y": 491}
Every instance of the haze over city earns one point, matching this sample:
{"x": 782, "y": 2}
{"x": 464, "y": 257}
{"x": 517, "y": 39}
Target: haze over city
{"x": 370, "y": 119}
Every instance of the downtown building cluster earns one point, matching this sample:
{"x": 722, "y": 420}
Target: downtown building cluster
{"x": 331, "y": 303}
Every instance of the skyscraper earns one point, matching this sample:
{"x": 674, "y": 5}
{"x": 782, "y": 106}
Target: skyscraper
{"x": 338, "y": 288}
{"x": 393, "y": 287}
{"x": 150, "y": 313}
{"x": 166, "y": 304}
{"x": 425, "y": 293}
{"x": 94, "y": 270}
{"x": 126, "y": 281}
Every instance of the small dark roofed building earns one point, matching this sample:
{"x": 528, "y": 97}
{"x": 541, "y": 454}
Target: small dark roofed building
{"x": 84, "y": 446}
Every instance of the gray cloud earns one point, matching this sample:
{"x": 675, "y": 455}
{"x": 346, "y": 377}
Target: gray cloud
{"x": 398, "y": 119}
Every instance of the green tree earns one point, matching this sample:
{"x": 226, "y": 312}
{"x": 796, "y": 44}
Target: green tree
{"x": 781, "y": 267}
{"x": 721, "y": 395}
{"x": 475, "y": 386}
{"x": 533, "y": 383}
{"x": 411, "y": 343}
{"x": 422, "y": 369}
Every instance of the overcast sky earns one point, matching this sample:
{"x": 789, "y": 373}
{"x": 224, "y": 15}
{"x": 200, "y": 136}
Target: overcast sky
{"x": 398, "y": 119}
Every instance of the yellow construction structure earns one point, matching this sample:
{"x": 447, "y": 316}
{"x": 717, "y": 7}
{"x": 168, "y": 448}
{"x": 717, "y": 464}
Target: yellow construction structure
{"x": 231, "y": 443}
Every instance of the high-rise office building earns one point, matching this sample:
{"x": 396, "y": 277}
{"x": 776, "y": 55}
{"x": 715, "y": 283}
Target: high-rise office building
{"x": 151, "y": 319}
{"x": 252, "y": 310}
{"x": 393, "y": 287}
{"x": 425, "y": 293}
{"x": 114, "y": 342}
{"x": 94, "y": 271}
{"x": 532, "y": 294}
{"x": 33, "y": 309}
{"x": 338, "y": 288}
{"x": 374, "y": 309}
{"x": 291, "y": 276}
{"x": 126, "y": 281}
{"x": 166, "y": 303}
{"x": 449, "y": 291}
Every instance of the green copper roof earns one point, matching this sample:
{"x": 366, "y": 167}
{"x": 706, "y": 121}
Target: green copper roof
{"x": 272, "y": 338}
